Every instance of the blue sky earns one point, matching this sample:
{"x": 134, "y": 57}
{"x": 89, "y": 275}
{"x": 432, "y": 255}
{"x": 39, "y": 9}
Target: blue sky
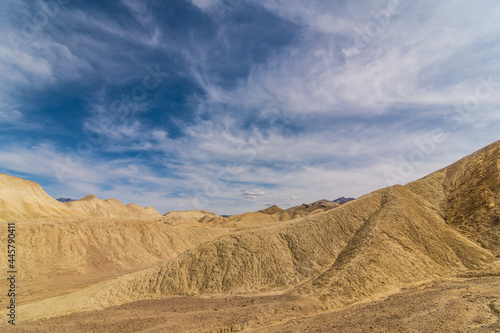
{"x": 233, "y": 105}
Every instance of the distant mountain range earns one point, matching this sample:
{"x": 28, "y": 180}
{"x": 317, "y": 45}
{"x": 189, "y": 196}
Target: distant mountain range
{"x": 65, "y": 199}
{"x": 343, "y": 200}
{"x": 305, "y": 209}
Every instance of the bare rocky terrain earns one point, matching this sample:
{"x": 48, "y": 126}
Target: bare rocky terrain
{"x": 423, "y": 257}
{"x": 451, "y": 305}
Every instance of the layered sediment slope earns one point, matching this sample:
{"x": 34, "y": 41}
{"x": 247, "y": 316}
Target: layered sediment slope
{"x": 472, "y": 188}
{"x": 95, "y": 207}
{"x": 312, "y": 208}
{"x": 378, "y": 243}
{"x": 23, "y": 199}
{"x": 439, "y": 226}
{"x": 405, "y": 241}
{"x": 57, "y": 256}
{"x": 61, "y": 247}
{"x": 192, "y": 216}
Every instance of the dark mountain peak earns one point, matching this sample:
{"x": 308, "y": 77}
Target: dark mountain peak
{"x": 343, "y": 200}
{"x": 65, "y": 199}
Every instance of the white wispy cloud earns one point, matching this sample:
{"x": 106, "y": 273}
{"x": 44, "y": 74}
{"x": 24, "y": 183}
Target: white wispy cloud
{"x": 408, "y": 62}
{"x": 205, "y": 4}
{"x": 73, "y": 175}
{"x": 10, "y": 116}
{"x": 252, "y": 194}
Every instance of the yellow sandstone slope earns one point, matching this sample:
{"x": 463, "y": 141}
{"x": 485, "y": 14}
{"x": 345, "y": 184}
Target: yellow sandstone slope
{"x": 389, "y": 238}
{"x": 56, "y": 256}
{"x": 472, "y": 188}
{"x": 371, "y": 246}
{"x": 193, "y": 216}
{"x": 23, "y": 199}
{"x": 95, "y": 207}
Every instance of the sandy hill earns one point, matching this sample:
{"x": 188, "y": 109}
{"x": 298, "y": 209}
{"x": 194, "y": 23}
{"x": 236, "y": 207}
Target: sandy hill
{"x": 443, "y": 225}
{"x": 312, "y": 208}
{"x": 251, "y": 220}
{"x": 95, "y": 207}
{"x": 304, "y": 209}
{"x": 191, "y": 216}
{"x": 472, "y": 196}
{"x": 271, "y": 210}
{"x": 414, "y": 220}
{"x": 89, "y": 250}
{"x": 377, "y": 249}
{"x": 303, "y": 254}
{"x": 24, "y": 199}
